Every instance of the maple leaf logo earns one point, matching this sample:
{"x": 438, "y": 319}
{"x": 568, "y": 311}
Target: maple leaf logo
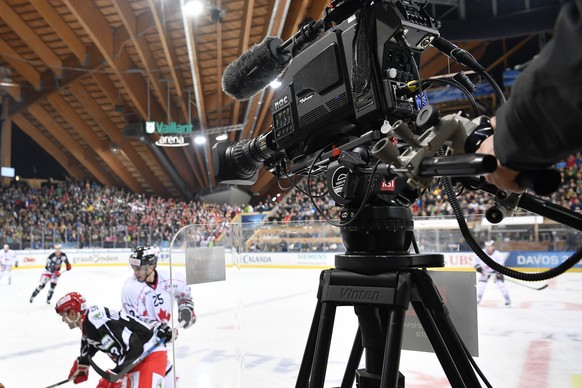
{"x": 163, "y": 315}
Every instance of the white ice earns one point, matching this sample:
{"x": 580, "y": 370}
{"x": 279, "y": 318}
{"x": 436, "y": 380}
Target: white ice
{"x": 252, "y": 329}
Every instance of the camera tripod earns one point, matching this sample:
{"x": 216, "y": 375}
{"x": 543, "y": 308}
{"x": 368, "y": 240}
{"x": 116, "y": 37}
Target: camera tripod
{"x": 380, "y": 288}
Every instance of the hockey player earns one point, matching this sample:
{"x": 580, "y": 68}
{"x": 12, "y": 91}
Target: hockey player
{"x": 7, "y": 260}
{"x": 123, "y": 338}
{"x": 52, "y": 272}
{"x": 486, "y": 272}
{"x": 147, "y": 295}
{"x": 156, "y": 250}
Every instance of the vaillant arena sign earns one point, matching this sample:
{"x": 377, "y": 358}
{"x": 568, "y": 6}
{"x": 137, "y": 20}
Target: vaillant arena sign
{"x": 171, "y": 134}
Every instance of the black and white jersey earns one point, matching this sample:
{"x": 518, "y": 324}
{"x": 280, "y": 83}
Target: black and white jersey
{"x": 122, "y": 337}
{"x": 54, "y": 262}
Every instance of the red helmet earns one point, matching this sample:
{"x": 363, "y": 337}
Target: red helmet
{"x": 72, "y": 301}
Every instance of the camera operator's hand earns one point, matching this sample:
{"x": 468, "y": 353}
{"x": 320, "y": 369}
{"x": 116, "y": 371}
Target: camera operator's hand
{"x": 502, "y": 177}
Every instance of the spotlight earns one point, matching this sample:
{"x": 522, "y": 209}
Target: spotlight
{"x": 193, "y": 7}
{"x": 221, "y": 137}
{"x": 199, "y": 140}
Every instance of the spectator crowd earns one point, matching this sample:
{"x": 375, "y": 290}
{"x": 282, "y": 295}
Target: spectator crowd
{"x": 88, "y": 214}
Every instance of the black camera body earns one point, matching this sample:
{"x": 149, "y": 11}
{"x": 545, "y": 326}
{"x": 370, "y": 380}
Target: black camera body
{"x": 339, "y": 87}
{"x": 318, "y": 101}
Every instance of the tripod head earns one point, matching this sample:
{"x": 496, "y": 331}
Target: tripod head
{"x": 375, "y": 179}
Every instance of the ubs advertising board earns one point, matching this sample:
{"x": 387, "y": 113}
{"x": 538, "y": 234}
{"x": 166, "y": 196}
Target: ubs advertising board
{"x": 457, "y": 261}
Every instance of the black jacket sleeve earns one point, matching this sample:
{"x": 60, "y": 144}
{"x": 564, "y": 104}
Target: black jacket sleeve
{"x": 115, "y": 333}
{"x": 135, "y": 350}
{"x": 541, "y": 123}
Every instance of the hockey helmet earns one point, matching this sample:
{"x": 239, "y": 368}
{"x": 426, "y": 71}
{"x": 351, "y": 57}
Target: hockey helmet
{"x": 71, "y": 301}
{"x": 143, "y": 256}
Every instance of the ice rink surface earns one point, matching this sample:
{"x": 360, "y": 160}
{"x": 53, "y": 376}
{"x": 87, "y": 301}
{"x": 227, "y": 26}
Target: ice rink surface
{"x": 252, "y": 329}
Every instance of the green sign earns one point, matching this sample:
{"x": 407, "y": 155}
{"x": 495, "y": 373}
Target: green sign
{"x": 167, "y": 128}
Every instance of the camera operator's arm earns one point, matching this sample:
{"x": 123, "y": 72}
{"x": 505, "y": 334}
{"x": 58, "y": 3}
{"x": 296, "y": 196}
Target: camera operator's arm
{"x": 541, "y": 122}
{"x": 502, "y": 177}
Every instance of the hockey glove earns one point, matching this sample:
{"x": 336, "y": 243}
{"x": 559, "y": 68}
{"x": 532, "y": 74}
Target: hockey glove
{"x": 478, "y": 268}
{"x": 68, "y": 266}
{"x": 499, "y": 277}
{"x": 165, "y": 332}
{"x": 79, "y": 372}
{"x": 57, "y": 273}
{"x": 186, "y": 313}
{"x": 103, "y": 383}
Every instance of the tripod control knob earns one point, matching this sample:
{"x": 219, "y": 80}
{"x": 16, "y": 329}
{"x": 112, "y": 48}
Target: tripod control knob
{"x": 428, "y": 117}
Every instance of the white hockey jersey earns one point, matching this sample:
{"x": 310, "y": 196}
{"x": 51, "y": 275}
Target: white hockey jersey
{"x": 496, "y": 256}
{"x": 153, "y": 302}
{"x": 7, "y": 258}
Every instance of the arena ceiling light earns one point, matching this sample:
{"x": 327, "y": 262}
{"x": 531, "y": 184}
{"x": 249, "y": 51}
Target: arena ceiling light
{"x": 196, "y": 8}
{"x": 193, "y": 7}
{"x": 200, "y": 139}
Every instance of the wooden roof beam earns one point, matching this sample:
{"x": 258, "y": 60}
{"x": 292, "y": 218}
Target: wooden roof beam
{"x": 98, "y": 28}
{"x": 114, "y": 134}
{"x": 50, "y": 85}
{"x": 20, "y": 27}
{"x": 32, "y": 130}
{"x": 61, "y": 27}
{"x": 42, "y": 116}
{"x": 169, "y": 52}
{"x": 27, "y": 71}
{"x": 95, "y": 24}
{"x": 93, "y": 141}
{"x": 12, "y": 89}
{"x": 143, "y": 50}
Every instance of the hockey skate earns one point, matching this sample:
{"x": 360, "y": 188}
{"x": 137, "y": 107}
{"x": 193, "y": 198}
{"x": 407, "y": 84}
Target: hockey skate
{"x": 34, "y": 293}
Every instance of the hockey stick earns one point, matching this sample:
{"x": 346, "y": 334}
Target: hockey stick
{"x": 116, "y": 377}
{"x": 531, "y": 285}
{"x": 59, "y": 383}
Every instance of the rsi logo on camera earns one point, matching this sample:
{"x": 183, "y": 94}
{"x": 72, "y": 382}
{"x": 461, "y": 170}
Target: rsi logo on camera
{"x": 390, "y": 186}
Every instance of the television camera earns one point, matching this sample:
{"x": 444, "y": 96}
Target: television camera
{"x": 352, "y": 109}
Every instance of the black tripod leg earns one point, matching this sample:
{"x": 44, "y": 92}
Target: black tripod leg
{"x": 372, "y": 337}
{"x": 322, "y": 344}
{"x": 394, "y": 330}
{"x": 353, "y": 361}
{"x": 390, "y": 372}
{"x": 307, "y": 360}
{"x": 434, "y": 315}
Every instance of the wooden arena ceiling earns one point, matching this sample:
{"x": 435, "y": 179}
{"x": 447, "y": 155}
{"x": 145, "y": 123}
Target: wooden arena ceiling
{"x": 80, "y": 77}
